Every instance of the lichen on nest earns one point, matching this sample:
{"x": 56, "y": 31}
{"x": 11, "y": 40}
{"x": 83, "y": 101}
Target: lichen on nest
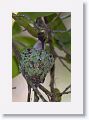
{"x": 36, "y": 63}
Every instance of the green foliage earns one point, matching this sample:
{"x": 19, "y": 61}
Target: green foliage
{"x": 34, "y": 15}
{"x": 16, "y": 28}
{"x": 22, "y": 21}
{"x": 25, "y": 41}
{"x": 15, "y": 68}
{"x": 48, "y": 19}
{"x": 57, "y": 24}
{"x": 61, "y": 37}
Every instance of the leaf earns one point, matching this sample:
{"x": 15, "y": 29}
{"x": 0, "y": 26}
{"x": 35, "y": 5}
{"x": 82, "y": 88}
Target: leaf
{"x": 27, "y": 41}
{"x": 63, "y": 40}
{"x": 24, "y": 23}
{"x": 49, "y": 18}
{"x": 34, "y": 15}
{"x": 61, "y": 37}
{"x": 24, "y": 42}
{"x": 15, "y": 69}
{"x": 16, "y": 28}
{"x": 57, "y": 24}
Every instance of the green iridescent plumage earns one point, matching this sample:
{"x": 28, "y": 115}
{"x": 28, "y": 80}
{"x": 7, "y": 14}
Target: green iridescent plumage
{"x": 36, "y": 63}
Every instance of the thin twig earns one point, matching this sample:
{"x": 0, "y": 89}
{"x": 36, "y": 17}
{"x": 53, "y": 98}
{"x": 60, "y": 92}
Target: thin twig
{"x": 36, "y": 98}
{"x": 48, "y": 93}
{"x": 52, "y": 71}
{"x": 65, "y": 90}
{"x": 29, "y": 93}
{"x": 64, "y": 64}
{"x": 63, "y": 47}
{"x": 29, "y": 82}
{"x": 40, "y": 95}
{"x": 45, "y": 90}
{"x": 61, "y": 57}
{"x": 52, "y": 78}
{"x": 61, "y": 60}
{"x": 61, "y": 31}
{"x": 64, "y": 17}
{"x": 13, "y": 87}
{"x": 37, "y": 91}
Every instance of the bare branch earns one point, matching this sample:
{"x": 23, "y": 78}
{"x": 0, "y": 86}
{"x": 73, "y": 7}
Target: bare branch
{"x": 36, "y": 98}
{"x": 45, "y": 90}
{"x": 48, "y": 93}
{"x": 62, "y": 61}
{"x": 29, "y": 93}
{"x": 13, "y": 87}
{"x": 40, "y": 95}
{"x": 66, "y": 90}
{"x": 63, "y": 47}
{"x": 52, "y": 74}
{"x": 53, "y": 68}
{"x": 61, "y": 57}
{"x": 64, "y": 64}
{"x": 52, "y": 78}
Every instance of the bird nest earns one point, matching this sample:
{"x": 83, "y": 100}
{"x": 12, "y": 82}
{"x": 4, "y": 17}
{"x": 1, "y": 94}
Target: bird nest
{"x": 36, "y": 64}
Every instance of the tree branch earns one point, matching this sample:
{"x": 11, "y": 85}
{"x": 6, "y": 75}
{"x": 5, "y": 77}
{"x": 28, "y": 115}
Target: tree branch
{"x": 36, "y": 90}
{"x": 64, "y": 17}
{"x": 64, "y": 64}
{"x": 61, "y": 60}
{"x": 13, "y": 87}
{"x": 61, "y": 31}
{"x": 29, "y": 93}
{"x": 22, "y": 22}
{"x": 63, "y": 47}
{"x": 52, "y": 71}
{"x": 36, "y": 98}
{"x": 52, "y": 78}
{"x": 48, "y": 93}
{"x": 40, "y": 95}
{"x": 45, "y": 90}
{"x": 65, "y": 90}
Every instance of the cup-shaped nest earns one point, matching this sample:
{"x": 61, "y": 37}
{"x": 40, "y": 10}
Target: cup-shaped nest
{"x": 36, "y": 64}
